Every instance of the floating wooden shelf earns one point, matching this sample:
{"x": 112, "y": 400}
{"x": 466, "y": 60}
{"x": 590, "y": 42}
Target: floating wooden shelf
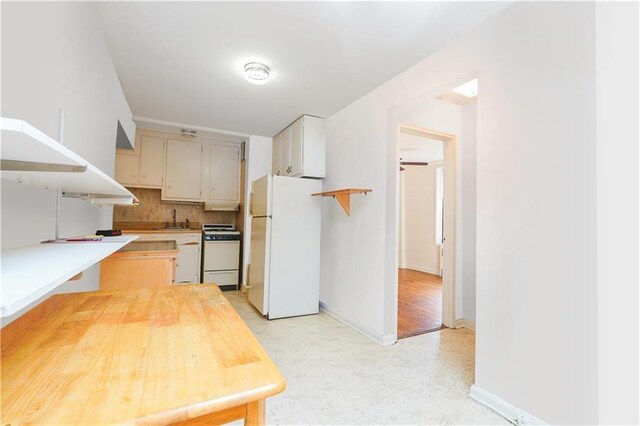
{"x": 344, "y": 196}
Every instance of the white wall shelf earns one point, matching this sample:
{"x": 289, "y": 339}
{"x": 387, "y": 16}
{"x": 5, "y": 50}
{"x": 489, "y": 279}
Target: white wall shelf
{"x": 31, "y": 157}
{"x": 28, "y": 273}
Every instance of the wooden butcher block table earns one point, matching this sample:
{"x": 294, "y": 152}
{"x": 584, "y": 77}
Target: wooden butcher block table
{"x": 155, "y": 356}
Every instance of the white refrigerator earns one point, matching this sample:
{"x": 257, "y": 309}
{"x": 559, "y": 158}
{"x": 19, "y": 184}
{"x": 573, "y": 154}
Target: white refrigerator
{"x": 284, "y": 259}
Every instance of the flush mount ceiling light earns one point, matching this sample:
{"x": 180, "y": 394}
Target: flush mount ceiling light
{"x": 468, "y": 89}
{"x": 256, "y": 73}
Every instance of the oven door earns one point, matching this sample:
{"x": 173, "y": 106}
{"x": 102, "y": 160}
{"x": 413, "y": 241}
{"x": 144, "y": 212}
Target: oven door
{"x": 221, "y": 255}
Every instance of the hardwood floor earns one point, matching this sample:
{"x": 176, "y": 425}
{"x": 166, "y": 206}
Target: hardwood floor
{"x": 419, "y": 302}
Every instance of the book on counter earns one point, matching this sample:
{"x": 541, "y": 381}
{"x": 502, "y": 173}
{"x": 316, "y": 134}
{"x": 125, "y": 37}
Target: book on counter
{"x": 109, "y": 232}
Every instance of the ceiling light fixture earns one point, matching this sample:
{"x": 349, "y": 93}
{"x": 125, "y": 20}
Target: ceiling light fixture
{"x": 468, "y": 89}
{"x": 256, "y": 73}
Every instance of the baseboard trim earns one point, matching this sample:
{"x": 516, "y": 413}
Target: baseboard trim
{"x": 421, "y": 269}
{"x": 381, "y": 339}
{"x": 512, "y": 413}
{"x": 465, "y": 323}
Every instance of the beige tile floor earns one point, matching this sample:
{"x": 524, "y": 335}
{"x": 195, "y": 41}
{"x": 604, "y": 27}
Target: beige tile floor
{"x": 337, "y": 376}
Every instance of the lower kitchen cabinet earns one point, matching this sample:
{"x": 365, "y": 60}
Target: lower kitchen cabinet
{"x": 140, "y": 264}
{"x": 189, "y": 253}
{"x": 188, "y": 271}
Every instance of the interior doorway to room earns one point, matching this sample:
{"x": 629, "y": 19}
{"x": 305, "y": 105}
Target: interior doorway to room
{"x": 421, "y": 232}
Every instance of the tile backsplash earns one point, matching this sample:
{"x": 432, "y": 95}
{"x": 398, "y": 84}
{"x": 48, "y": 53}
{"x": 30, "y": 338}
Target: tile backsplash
{"x": 152, "y": 209}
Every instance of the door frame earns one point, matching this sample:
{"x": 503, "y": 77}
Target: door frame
{"x": 449, "y": 233}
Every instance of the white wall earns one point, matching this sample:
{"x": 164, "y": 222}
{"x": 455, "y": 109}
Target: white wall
{"x": 419, "y": 193}
{"x": 258, "y": 156}
{"x": 467, "y": 234}
{"x": 617, "y": 188}
{"x": 54, "y": 56}
{"x": 536, "y": 301}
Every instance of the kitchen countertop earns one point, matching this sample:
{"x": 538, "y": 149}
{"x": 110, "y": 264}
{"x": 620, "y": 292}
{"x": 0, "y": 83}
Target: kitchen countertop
{"x": 146, "y": 356}
{"x": 155, "y": 247}
{"x": 155, "y": 228}
{"x": 162, "y": 231}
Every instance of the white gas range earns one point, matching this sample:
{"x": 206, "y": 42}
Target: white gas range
{"x": 221, "y": 255}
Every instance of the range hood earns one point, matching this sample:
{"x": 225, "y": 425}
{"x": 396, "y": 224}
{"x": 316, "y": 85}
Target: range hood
{"x": 228, "y": 207}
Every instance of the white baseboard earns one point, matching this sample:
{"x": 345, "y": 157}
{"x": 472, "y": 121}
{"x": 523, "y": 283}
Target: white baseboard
{"x": 462, "y": 322}
{"x": 514, "y": 414}
{"x": 381, "y": 339}
{"x": 433, "y": 271}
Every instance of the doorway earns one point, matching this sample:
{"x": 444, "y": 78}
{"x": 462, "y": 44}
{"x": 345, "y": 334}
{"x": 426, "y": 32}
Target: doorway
{"x": 426, "y": 205}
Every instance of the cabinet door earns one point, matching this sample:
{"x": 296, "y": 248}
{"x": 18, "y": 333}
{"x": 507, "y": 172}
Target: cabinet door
{"x": 151, "y": 161}
{"x": 188, "y": 269}
{"x": 183, "y": 170}
{"x": 224, "y": 173}
{"x": 285, "y": 152}
{"x": 126, "y": 168}
{"x": 313, "y": 147}
{"x": 297, "y": 147}
{"x": 275, "y": 155}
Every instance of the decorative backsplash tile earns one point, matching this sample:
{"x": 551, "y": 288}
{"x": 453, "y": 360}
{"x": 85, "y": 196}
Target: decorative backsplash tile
{"x": 152, "y": 209}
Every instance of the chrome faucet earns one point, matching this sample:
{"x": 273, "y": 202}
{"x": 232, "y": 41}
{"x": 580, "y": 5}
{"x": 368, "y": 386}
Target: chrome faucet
{"x": 174, "y": 219}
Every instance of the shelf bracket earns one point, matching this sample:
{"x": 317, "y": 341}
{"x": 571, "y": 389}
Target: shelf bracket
{"x": 345, "y": 202}
{"x": 343, "y": 196}
{"x": 59, "y": 192}
{"x": 32, "y": 166}
{"x": 79, "y": 195}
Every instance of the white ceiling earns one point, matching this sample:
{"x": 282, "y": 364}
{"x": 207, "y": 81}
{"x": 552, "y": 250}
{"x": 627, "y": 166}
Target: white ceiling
{"x": 182, "y": 62}
{"x": 418, "y": 148}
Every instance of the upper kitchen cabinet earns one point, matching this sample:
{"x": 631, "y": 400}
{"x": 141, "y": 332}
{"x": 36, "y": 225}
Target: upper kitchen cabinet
{"x": 296, "y": 143}
{"x": 281, "y": 159}
{"x": 141, "y": 167}
{"x": 299, "y": 150}
{"x": 183, "y": 171}
{"x": 224, "y": 175}
{"x": 151, "y": 161}
{"x": 127, "y": 161}
{"x": 186, "y": 169}
{"x": 275, "y": 154}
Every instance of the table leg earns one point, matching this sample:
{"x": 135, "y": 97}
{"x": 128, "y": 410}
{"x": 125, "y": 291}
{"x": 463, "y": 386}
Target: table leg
{"x": 255, "y": 413}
